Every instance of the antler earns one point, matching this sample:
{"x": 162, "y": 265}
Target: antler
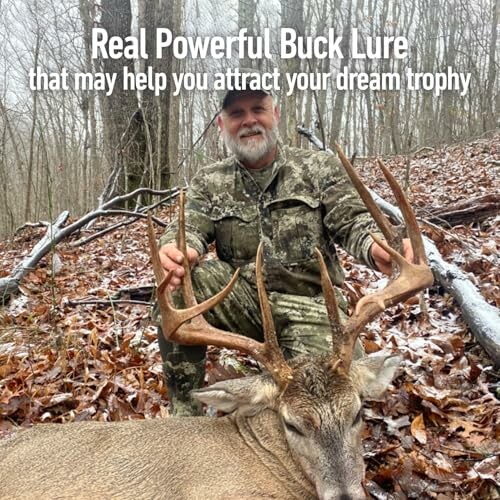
{"x": 187, "y": 326}
{"x": 412, "y": 278}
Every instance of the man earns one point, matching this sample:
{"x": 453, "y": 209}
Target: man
{"x": 292, "y": 199}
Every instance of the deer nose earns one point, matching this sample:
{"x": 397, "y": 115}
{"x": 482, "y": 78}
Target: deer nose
{"x": 353, "y": 495}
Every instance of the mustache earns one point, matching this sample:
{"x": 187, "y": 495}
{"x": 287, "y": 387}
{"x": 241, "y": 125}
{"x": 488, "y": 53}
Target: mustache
{"x": 257, "y": 129}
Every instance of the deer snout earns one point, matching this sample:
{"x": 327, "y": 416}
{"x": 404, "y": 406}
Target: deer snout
{"x": 351, "y": 494}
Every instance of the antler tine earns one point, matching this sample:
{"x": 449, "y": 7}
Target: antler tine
{"x": 331, "y": 304}
{"x": 413, "y": 277}
{"x": 173, "y": 318}
{"x": 187, "y": 284}
{"x": 385, "y": 226}
{"x": 413, "y": 230}
{"x": 187, "y": 326}
{"x": 275, "y": 361}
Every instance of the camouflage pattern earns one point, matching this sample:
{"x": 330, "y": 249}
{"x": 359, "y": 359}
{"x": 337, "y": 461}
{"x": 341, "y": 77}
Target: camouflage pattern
{"x": 304, "y": 200}
{"x": 307, "y": 202}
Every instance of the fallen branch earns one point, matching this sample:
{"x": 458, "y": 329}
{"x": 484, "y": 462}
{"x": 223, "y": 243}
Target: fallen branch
{"x": 171, "y": 193}
{"x": 144, "y": 292}
{"x": 135, "y": 217}
{"x": 55, "y": 234}
{"x": 482, "y": 319}
{"x": 467, "y": 211}
{"x": 31, "y": 225}
{"x": 10, "y": 284}
{"x": 102, "y": 302}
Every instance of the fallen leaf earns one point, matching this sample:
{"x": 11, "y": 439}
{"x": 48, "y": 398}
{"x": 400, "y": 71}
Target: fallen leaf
{"x": 418, "y": 429}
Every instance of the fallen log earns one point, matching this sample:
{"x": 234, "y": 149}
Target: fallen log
{"x": 482, "y": 319}
{"x": 10, "y": 284}
{"x": 465, "y": 212}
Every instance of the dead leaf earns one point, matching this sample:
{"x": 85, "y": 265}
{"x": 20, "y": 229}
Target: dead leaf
{"x": 418, "y": 429}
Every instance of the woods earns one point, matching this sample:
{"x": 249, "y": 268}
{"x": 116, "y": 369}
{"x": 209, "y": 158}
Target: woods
{"x": 80, "y": 168}
{"x": 54, "y": 141}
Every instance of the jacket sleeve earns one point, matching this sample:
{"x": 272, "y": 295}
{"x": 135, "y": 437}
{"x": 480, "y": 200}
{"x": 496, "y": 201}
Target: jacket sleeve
{"x": 346, "y": 218}
{"x": 199, "y": 225}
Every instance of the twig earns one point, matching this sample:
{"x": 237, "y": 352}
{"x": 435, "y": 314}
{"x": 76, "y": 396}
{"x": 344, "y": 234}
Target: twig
{"x": 83, "y": 241}
{"x": 38, "y": 224}
{"x": 109, "y": 302}
{"x": 109, "y": 229}
{"x": 469, "y": 452}
{"x": 124, "y": 197}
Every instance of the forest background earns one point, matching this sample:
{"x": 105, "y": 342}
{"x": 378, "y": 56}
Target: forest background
{"x": 76, "y": 337}
{"x": 65, "y": 149}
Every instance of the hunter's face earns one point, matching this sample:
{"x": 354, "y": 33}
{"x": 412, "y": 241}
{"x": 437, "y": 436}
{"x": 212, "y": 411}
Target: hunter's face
{"x": 249, "y": 126}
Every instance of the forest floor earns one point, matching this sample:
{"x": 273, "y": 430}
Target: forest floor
{"x": 434, "y": 435}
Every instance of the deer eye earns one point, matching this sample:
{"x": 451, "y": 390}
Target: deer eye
{"x": 357, "y": 419}
{"x": 293, "y": 429}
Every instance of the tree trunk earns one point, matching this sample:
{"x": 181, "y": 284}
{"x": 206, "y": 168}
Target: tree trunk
{"x": 121, "y": 144}
{"x": 292, "y": 16}
{"x": 493, "y": 108}
{"x": 247, "y": 18}
{"x": 34, "y": 94}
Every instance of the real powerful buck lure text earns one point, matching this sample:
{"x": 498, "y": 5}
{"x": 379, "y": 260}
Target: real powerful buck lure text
{"x": 243, "y": 45}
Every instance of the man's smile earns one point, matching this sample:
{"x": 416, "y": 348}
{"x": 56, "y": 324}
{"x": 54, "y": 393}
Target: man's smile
{"x": 250, "y": 135}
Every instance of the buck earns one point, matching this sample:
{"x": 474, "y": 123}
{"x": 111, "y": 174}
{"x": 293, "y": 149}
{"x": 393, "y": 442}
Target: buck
{"x": 292, "y": 432}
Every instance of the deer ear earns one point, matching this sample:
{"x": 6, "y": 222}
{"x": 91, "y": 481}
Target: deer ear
{"x": 247, "y": 395}
{"x": 373, "y": 374}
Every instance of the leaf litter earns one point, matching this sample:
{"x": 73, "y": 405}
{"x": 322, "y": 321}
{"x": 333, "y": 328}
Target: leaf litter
{"x": 434, "y": 435}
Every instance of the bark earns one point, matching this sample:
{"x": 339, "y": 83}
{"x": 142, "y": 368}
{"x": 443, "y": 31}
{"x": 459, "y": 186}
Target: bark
{"x": 160, "y": 113}
{"x": 27, "y": 206}
{"x": 123, "y": 145}
{"x": 482, "y": 319}
{"x": 87, "y": 14}
{"x": 465, "y": 212}
{"x": 292, "y": 16}
{"x": 338, "y": 104}
{"x": 247, "y": 18}
{"x": 492, "y": 99}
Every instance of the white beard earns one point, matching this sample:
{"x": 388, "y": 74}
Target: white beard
{"x": 252, "y": 150}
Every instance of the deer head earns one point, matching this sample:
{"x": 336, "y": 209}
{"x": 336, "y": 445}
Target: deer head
{"x": 317, "y": 399}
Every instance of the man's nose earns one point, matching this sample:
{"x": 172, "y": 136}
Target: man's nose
{"x": 249, "y": 120}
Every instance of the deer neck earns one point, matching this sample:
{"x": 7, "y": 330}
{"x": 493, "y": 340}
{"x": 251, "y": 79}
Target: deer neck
{"x": 263, "y": 434}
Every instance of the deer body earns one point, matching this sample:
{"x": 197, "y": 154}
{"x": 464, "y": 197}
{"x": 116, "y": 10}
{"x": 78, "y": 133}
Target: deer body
{"x": 172, "y": 458}
{"x": 303, "y": 443}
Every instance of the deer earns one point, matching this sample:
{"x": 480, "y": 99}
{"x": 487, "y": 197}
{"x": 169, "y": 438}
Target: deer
{"x": 290, "y": 432}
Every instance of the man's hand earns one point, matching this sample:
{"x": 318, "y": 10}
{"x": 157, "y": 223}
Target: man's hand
{"x": 171, "y": 260}
{"x": 383, "y": 260}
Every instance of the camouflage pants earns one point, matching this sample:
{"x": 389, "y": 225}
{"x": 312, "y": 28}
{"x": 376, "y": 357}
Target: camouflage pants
{"x": 301, "y": 323}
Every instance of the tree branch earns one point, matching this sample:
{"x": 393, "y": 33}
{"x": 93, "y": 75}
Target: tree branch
{"x": 55, "y": 234}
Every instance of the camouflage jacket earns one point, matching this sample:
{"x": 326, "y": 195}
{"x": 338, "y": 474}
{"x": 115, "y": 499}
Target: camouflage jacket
{"x": 308, "y": 202}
